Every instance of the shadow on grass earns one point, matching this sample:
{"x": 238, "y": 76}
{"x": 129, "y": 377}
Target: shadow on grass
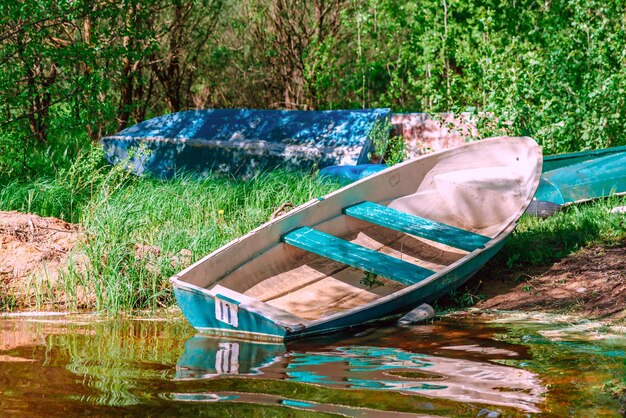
{"x": 537, "y": 244}
{"x": 540, "y": 246}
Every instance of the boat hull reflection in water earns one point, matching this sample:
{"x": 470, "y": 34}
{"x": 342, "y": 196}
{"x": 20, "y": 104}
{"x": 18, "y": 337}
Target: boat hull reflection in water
{"x": 206, "y": 357}
{"x": 368, "y": 366}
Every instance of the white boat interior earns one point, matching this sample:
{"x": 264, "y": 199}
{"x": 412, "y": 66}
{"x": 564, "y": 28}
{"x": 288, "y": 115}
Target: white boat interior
{"x": 402, "y": 226}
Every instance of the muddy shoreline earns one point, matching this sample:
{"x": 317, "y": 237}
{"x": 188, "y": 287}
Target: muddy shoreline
{"x": 35, "y": 251}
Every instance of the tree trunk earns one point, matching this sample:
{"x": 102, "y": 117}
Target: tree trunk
{"x": 126, "y": 89}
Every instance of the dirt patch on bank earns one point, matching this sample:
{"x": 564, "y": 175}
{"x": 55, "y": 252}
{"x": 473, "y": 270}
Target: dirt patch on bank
{"x": 33, "y": 253}
{"x": 591, "y": 282}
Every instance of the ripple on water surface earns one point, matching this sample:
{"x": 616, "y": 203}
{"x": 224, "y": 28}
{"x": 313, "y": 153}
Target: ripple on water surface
{"x": 462, "y": 366}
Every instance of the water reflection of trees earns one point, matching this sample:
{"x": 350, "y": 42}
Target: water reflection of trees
{"x": 119, "y": 359}
{"x": 95, "y": 364}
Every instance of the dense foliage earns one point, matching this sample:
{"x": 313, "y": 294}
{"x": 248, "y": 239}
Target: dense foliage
{"x": 74, "y": 70}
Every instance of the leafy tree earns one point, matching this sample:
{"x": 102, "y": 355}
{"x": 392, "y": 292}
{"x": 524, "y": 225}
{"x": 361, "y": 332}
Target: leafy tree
{"x": 71, "y": 72}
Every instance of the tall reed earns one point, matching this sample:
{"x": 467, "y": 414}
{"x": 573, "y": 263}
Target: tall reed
{"x": 139, "y": 231}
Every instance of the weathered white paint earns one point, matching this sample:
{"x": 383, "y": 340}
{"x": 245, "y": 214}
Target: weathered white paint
{"x": 481, "y": 187}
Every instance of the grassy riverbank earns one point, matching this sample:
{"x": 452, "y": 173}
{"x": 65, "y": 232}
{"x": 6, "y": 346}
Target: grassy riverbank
{"x": 571, "y": 262}
{"x": 538, "y": 241}
{"x": 140, "y": 231}
{"x": 137, "y": 232}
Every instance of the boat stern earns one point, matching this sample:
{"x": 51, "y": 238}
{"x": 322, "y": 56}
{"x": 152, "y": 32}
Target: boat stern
{"x": 224, "y": 312}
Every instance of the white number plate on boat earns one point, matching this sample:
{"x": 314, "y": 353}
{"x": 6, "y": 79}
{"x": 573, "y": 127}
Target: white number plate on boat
{"x": 227, "y": 358}
{"x": 226, "y": 312}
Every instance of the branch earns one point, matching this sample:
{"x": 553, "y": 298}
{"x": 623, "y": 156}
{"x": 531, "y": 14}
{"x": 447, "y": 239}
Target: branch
{"x": 27, "y": 115}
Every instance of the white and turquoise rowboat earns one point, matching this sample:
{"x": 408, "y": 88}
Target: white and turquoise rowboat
{"x": 419, "y": 229}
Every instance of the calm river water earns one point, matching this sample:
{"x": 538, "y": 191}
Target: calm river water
{"x": 474, "y": 366}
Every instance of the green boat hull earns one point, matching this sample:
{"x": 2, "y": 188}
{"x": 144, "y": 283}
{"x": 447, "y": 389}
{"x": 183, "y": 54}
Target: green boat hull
{"x": 579, "y": 177}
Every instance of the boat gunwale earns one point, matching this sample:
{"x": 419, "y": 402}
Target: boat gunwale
{"x": 504, "y": 232}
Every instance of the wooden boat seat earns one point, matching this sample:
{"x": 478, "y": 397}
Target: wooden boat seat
{"x": 415, "y": 225}
{"x": 355, "y": 255}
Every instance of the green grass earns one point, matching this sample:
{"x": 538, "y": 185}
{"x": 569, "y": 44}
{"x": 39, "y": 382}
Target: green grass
{"x": 119, "y": 212}
{"x": 538, "y": 241}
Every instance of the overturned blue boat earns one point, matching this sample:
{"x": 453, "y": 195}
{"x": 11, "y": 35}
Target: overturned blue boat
{"x": 242, "y": 142}
{"x": 346, "y": 174}
{"x": 578, "y": 177}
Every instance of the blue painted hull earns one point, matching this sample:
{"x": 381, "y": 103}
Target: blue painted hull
{"x": 553, "y": 162}
{"x": 199, "y": 308}
{"x": 579, "y": 177}
{"x": 243, "y": 142}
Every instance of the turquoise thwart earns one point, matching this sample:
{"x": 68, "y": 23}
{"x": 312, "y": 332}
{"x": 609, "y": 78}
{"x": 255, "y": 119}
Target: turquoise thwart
{"x": 357, "y": 256}
{"x": 308, "y": 272}
{"x": 415, "y": 225}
